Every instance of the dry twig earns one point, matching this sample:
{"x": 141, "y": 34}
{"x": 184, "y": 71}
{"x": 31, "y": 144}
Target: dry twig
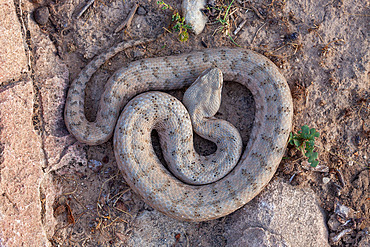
{"x": 326, "y": 48}
{"x": 241, "y": 25}
{"x": 89, "y": 3}
{"x": 257, "y": 13}
{"x": 127, "y": 22}
{"x": 259, "y": 29}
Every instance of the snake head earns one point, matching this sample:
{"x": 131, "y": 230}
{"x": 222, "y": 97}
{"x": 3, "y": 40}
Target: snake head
{"x": 203, "y": 97}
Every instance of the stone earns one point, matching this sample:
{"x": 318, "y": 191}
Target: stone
{"x": 258, "y": 236}
{"x": 60, "y": 146}
{"x": 32, "y": 150}
{"x": 193, "y": 14}
{"x": 325, "y": 180}
{"x": 41, "y": 15}
{"x": 333, "y": 223}
{"x": 13, "y": 60}
{"x": 24, "y": 187}
{"x": 141, "y": 11}
{"x": 285, "y": 211}
{"x": 157, "y": 230}
{"x": 282, "y": 215}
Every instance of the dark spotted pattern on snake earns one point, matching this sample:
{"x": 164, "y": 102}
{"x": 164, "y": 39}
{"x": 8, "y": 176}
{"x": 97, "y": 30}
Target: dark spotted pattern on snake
{"x": 134, "y": 153}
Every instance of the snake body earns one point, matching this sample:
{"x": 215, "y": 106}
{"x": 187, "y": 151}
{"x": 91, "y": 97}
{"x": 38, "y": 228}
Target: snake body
{"x": 146, "y": 175}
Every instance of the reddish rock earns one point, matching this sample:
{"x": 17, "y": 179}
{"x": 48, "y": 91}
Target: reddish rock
{"x": 52, "y": 76}
{"x": 13, "y": 60}
{"x": 62, "y": 148}
{"x": 23, "y": 195}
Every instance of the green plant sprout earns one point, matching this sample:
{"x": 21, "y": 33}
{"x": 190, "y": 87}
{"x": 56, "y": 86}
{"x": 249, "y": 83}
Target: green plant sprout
{"x": 304, "y": 141}
{"x": 181, "y": 27}
{"x": 179, "y": 21}
{"x": 224, "y": 19}
{"x": 164, "y": 5}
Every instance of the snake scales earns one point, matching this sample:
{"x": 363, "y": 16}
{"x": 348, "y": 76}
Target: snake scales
{"x": 136, "y": 159}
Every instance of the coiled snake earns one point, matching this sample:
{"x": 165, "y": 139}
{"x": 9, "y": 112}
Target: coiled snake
{"x": 132, "y": 146}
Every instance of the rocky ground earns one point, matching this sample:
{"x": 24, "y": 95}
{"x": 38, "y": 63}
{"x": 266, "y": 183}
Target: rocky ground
{"x": 56, "y": 191}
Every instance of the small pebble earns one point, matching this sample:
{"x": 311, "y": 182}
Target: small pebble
{"x": 333, "y": 223}
{"x": 343, "y": 211}
{"x": 141, "y": 11}
{"x": 325, "y": 180}
{"x": 41, "y": 15}
{"x": 105, "y": 160}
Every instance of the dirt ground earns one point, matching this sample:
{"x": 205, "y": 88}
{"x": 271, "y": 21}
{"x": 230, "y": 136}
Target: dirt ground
{"x": 321, "y": 48}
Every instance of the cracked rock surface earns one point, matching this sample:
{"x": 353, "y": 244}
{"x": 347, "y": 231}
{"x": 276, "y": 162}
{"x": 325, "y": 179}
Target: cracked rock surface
{"x": 23, "y": 196}
{"x": 33, "y": 139}
{"x": 13, "y": 60}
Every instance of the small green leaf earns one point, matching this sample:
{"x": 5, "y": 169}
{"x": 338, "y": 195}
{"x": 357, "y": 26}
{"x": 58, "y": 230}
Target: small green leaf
{"x": 291, "y": 138}
{"x": 305, "y": 130}
{"x": 183, "y": 36}
{"x": 297, "y": 143}
{"x": 315, "y": 163}
{"x": 315, "y": 133}
{"x": 304, "y": 141}
{"x": 177, "y": 27}
{"x": 308, "y": 154}
{"x": 310, "y": 146}
{"x": 314, "y": 155}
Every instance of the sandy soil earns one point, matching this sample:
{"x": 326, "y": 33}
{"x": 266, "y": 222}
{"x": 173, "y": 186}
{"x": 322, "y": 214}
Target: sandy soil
{"x": 320, "y": 46}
